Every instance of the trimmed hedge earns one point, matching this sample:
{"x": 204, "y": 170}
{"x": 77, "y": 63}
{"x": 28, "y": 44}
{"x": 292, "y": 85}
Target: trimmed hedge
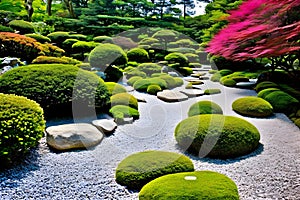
{"x": 138, "y": 55}
{"x": 21, "y": 127}
{"x": 125, "y": 99}
{"x": 265, "y": 85}
{"x": 115, "y": 88}
{"x": 282, "y": 102}
{"x": 22, "y": 26}
{"x": 206, "y": 185}
{"x": 119, "y": 112}
{"x": 58, "y": 37}
{"x": 153, "y": 89}
{"x": 57, "y": 60}
{"x": 143, "y": 84}
{"x": 39, "y": 38}
{"x": 177, "y": 58}
{"x": 212, "y": 91}
{"x": 252, "y": 107}
{"x": 149, "y": 68}
{"x": 140, "y": 168}
{"x": 233, "y": 136}
{"x": 133, "y": 79}
{"x": 204, "y": 107}
{"x": 6, "y": 29}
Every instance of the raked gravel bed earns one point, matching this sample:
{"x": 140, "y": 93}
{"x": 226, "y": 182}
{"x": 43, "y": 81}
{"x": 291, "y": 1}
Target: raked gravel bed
{"x": 271, "y": 172}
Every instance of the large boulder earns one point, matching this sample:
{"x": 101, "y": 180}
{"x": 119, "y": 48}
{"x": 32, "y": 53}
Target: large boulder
{"x": 171, "y": 96}
{"x": 73, "y": 136}
{"x": 105, "y": 125}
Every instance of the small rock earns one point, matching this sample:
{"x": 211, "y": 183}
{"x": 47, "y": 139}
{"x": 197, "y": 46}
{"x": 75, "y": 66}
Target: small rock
{"x": 171, "y": 96}
{"x": 105, "y": 125}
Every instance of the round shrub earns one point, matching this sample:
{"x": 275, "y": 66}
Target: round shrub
{"x": 265, "y": 85}
{"x": 52, "y": 60}
{"x": 143, "y": 84}
{"x": 149, "y": 68}
{"x": 228, "y": 82}
{"x": 133, "y": 79}
{"x": 177, "y": 58}
{"x": 282, "y": 102}
{"x": 119, "y": 112}
{"x": 138, "y": 54}
{"x": 138, "y": 169}
{"x": 153, "y": 89}
{"x": 182, "y": 50}
{"x": 192, "y": 58}
{"x": 113, "y": 74}
{"x": 185, "y": 71}
{"x": 22, "y": 26}
{"x": 191, "y": 185}
{"x": 204, "y": 107}
{"x": 21, "y": 126}
{"x": 58, "y": 37}
{"x": 78, "y": 37}
{"x": 83, "y": 46}
{"x": 179, "y": 81}
{"x": 225, "y": 72}
{"x": 135, "y": 72}
{"x": 55, "y": 86}
{"x": 115, "y": 88}
{"x": 6, "y": 29}
{"x": 234, "y": 136}
{"x": 107, "y": 54}
{"x": 265, "y": 92}
{"x": 124, "y": 99}
{"x": 171, "y": 83}
{"x": 252, "y": 107}
{"x": 103, "y": 39}
{"x": 39, "y": 38}
{"x": 212, "y": 91}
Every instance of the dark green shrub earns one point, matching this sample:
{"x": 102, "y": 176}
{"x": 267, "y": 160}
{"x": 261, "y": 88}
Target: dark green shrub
{"x": 113, "y": 74}
{"x": 39, "y": 38}
{"x": 252, "y": 107}
{"x": 115, "y": 88}
{"x": 84, "y": 47}
{"x": 6, "y": 29}
{"x": 78, "y": 37}
{"x": 138, "y": 54}
{"x": 119, "y": 112}
{"x": 22, "y": 26}
{"x": 191, "y": 185}
{"x": 58, "y": 37}
{"x": 143, "y": 84}
{"x": 204, "y": 107}
{"x": 55, "y": 86}
{"x": 177, "y": 58}
{"x": 179, "y": 81}
{"x": 107, "y": 54}
{"x": 57, "y": 60}
{"x": 225, "y": 72}
{"x": 185, "y": 71}
{"x": 135, "y": 72}
{"x": 21, "y": 127}
{"x": 125, "y": 99}
{"x": 149, "y": 68}
{"x": 133, "y": 79}
{"x": 192, "y": 58}
{"x": 263, "y": 93}
{"x": 68, "y": 43}
{"x": 103, "y": 39}
{"x": 153, "y": 89}
{"x": 265, "y": 85}
{"x": 233, "y": 136}
{"x": 138, "y": 169}
{"x": 282, "y": 102}
{"x": 212, "y": 91}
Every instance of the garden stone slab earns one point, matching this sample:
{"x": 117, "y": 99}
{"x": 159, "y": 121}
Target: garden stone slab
{"x": 192, "y": 92}
{"x": 73, "y": 136}
{"x": 105, "y": 125}
{"x": 203, "y": 78}
{"x": 171, "y": 96}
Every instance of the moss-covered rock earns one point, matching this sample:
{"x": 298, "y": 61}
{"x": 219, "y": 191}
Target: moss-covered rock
{"x": 265, "y": 85}
{"x": 119, "y": 112}
{"x": 124, "y": 99}
{"x": 138, "y": 54}
{"x": 233, "y": 136}
{"x": 133, "y": 79}
{"x": 179, "y": 81}
{"x": 149, "y": 68}
{"x": 143, "y": 84}
{"x": 177, "y": 58}
{"x": 282, "y": 102}
{"x": 190, "y": 185}
{"x": 138, "y": 169}
{"x": 212, "y": 91}
{"x": 153, "y": 89}
{"x": 171, "y": 82}
{"x": 115, "y": 88}
{"x": 204, "y": 107}
{"x": 265, "y": 92}
{"x": 252, "y": 107}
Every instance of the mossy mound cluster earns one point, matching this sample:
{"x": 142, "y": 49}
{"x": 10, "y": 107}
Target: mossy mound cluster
{"x": 265, "y": 85}
{"x": 233, "y": 136}
{"x": 204, "y": 107}
{"x": 119, "y": 112}
{"x": 265, "y": 92}
{"x": 282, "y": 102}
{"x": 212, "y": 91}
{"x": 125, "y": 99}
{"x": 190, "y": 185}
{"x": 143, "y": 84}
{"x": 138, "y": 169}
{"x": 153, "y": 89}
{"x": 115, "y": 88}
{"x": 252, "y": 107}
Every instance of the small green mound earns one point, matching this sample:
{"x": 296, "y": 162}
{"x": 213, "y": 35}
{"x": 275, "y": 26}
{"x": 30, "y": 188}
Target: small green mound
{"x": 119, "y": 112}
{"x": 171, "y": 82}
{"x": 265, "y": 92}
{"x": 153, "y": 89}
{"x": 228, "y": 82}
{"x": 204, "y": 107}
{"x": 264, "y": 85}
{"x": 138, "y": 169}
{"x": 115, "y": 88}
{"x": 124, "y": 99}
{"x": 38, "y": 37}
{"x": 282, "y": 102}
{"x": 135, "y": 72}
{"x": 143, "y": 84}
{"x": 206, "y": 185}
{"x": 22, "y": 26}
{"x": 216, "y": 77}
{"x": 179, "y": 81}
{"x": 133, "y": 79}
{"x": 212, "y": 91}
{"x": 149, "y": 68}
{"x": 233, "y": 136}
{"x": 138, "y": 54}
{"x": 252, "y": 107}
{"x": 189, "y": 86}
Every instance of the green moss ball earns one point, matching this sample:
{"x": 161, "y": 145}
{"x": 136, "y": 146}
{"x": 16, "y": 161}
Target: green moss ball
{"x": 233, "y": 136}
{"x": 124, "y": 99}
{"x": 282, "y": 102}
{"x": 266, "y": 92}
{"x": 212, "y": 91}
{"x": 204, "y": 107}
{"x": 153, "y": 89}
{"x": 138, "y": 169}
{"x": 206, "y": 185}
{"x": 115, "y": 88}
{"x": 264, "y": 85}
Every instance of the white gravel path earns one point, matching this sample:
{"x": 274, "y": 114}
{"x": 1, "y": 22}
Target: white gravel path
{"x": 271, "y": 172}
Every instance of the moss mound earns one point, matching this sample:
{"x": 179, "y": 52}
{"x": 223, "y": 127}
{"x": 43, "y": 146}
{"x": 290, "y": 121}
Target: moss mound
{"x": 149, "y": 68}
{"x": 282, "y": 102}
{"x": 252, "y": 107}
{"x": 115, "y": 88}
{"x": 119, "y": 112}
{"x": 265, "y": 85}
{"x": 153, "y": 89}
{"x": 138, "y": 169}
{"x": 143, "y": 84}
{"x": 190, "y": 185}
{"x": 138, "y": 54}
{"x": 233, "y": 136}
{"x": 124, "y": 99}
{"x": 266, "y": 92}
{"x": 204, "y": 107}
{"x": 212, "y": 91}
{"x": 133, "y": 79}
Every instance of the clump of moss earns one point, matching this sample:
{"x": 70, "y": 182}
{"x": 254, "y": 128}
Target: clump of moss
{"x": 153, "y": 89}
{"x": 115, "y": 88}
{"x": 265, "y": 85}
{"x": 124, "y": 99}
{"x": 282, "y": 102}
{"x": 204, "y": 107}
{"x": 119, "y": 112}
{"x": 212, "y": 91}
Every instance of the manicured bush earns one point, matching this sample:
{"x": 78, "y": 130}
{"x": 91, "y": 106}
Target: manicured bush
{"x": 133, "y": 79}
{"x": 177, "y": 58}
{"x": 39, "y": 38}
{"x": 58, "y": 37}
{"x": 233, "y": 136}
{"x": 179, "y": 81}
{"x": 264, "y": 85}
{"x": 149, "y": 68}
{"x": 190, "y": 185}
{"x": 22, "y": 26}
{"x": 84, "y": 47}
{"x": 119, "y": 112}
{"x": 140, "y": 168}
{"x": 252, "y": 107}
{"x": 204, "y": 107}
{"x": 6, "y": 29}
{"x": 107, "y": 54}
{"x": 68, "y": 43}
{"x": 135, "y": 72}
{"x": 55, "y": 86}
{"x": 153, "y": 89}
{"x": 228, "y": 82}
{"x": 192, "y": 58}
{"x": 115, "y": 88}
{"x": 171, "y": 82}
{"x": 124, "y": 99}
{"x": 225, "y": 72}
{"x": 57, "y": 60}
{"x": 143, "y": 84}
{"x": 185, "y": 71}
{"x": 282, "y": 102}
{"x": 103, "y": 39}
{"x": 21, "y": 127}
{"x": 78, "y": 37}
{"x": 138, "y": 54}
{"x": 212, "y": 91}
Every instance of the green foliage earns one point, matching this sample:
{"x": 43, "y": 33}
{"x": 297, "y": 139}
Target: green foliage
{"x": 67, "y": 44}
{"x": 39, "y": 38}
{"x": 78, "y": 37}
{"x": 171, "y": 82}
{"x": 179, "y": 81}
{"x": 177, "y": 58}
{"x": 21, "y": 127}
{"x": 113, "y": 73}
{"x": 119, "y": 112}
{"x": 192, "y": 58}
{"x": 182, "y": 50}
{"x": 55, "y": 86}
{"x": 133, "y": 79}
{"x": 149, "y": 68}
{"x": 103, "y": 39}
{"x": 233, "y": 136}
{"x": 264, "y": 85}
{"x": 204, "y": 107}
{"x": 143, "y": 84}
{"x": 204, "y": 185}
{"x": 219, "y": 74}
{"x": 140, "y": 168}
{"x": 107, "y": 54}
{"x": 135, "y": 72}
{"x": 282, "y": 102}
{"x": 132, "y": 63}
{"x": 265, "y": 92}
{"x": 148, "y": 41}
{"x": 228, "y": 82}
{"x": 83, "y": 46}
{"x": 212, "y": 91}
{"x": 252, "y": 107}
{"x": 185, "y": 71}
{"x": 114, "y": 88}
{"x": 22, "y": 26}
{"x": 138, "y": 55}
{"x": 189, "y": 86}
{"x": 153, "y": 89}
{"x": 6, "y": 29}
{"x": 52, "y": 60}
{"x": 125, "y": 99}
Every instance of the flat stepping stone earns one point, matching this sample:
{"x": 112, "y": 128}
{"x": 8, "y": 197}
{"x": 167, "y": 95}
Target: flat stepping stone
{"x": 105, "y": 125}
{"x": 73, "y": 136}
{"x": 192, "y": 92}
{"x": 171, "y": 96}
{"x": 245, "y": 84}
{"x": 203, "y": 78}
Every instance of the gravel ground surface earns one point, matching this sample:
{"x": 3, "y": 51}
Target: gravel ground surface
{"x": 271, "y": 172}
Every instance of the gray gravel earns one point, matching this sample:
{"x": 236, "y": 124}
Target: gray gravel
{"x": 271, "y": 172}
